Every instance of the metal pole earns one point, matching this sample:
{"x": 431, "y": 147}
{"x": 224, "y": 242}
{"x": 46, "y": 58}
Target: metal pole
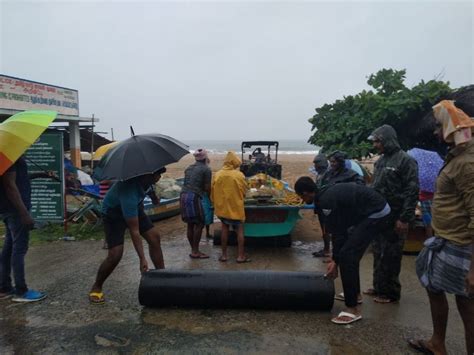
{"x": 112, "y": 131}
{"x": 92, "y": 144}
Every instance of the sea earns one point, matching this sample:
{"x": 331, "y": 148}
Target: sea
{"x": 223, "y": 146}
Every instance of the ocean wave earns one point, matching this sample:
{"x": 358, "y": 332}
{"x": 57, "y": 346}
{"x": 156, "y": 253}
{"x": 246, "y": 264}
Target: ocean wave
{"x": 280, "y": 152}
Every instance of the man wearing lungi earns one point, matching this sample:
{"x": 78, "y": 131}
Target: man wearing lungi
{"x": 446, "y": 264}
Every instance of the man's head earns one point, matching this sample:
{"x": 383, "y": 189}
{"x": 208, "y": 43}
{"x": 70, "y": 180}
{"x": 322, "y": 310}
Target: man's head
{"x": 200, "y": 155}
{"x": 320, "y": 163}
{"x": 453, "y": 125}
{"x": 337, "y": 160}
{"x": 384, "y": 139}
{"x": 305, "y": 188}
{"x": 231, "y": 161}
{"x": 150, "y": 179}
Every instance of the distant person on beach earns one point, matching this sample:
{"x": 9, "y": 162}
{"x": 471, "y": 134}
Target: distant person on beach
{"x": 354, "y": 214}
{"x": 227, "y": 195}
{"x": 446, "y": 264}
{"x": 15, "y": 205}
{"x": 396, "y": 178}
{"x": 196, "y": 187}
{"x": 123, "y": 209}
{"x": 335, "y": 174}
{"x": 259, "y": 156}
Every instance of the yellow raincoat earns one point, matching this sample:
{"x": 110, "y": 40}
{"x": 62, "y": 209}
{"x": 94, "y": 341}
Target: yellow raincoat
{"x": 228, "y": 189}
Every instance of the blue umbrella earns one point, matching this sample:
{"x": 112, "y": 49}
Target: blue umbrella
{"x": 352, "y": 164}
{"x": 429, "y": 165}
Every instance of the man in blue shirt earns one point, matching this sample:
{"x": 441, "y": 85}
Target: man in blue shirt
{"x": 122, "y": 209}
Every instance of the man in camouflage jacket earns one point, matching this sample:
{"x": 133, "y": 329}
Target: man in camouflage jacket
{"x": 396, "y": 178}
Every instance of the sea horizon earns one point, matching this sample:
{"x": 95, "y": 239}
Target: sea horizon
{"x": 286, "y": 146}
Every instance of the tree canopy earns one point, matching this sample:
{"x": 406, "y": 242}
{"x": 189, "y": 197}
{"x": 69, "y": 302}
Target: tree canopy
{"x": 346, "y": 123}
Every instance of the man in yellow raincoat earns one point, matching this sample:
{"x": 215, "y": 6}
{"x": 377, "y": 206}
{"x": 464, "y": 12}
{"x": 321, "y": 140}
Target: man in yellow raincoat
{"x": 227, "y": 194}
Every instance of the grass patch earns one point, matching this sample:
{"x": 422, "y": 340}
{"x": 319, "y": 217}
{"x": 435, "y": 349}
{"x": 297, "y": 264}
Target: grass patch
{"x": 54, "y": 231}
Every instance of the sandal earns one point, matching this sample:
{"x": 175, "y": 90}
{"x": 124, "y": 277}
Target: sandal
{"x": 321, "y": 254}
{"x": 384, "y": 300}
{"x": 222, "y": 259}
{"x": 246, "y": 260}
{"x": 352, "y": 318}
{"x": 200, "y": 256}
{"x": 420, "y": 345}
{"x": 370, "y": 292}
{"x": 340, "y": 297}
{"x": 96, "y": 298}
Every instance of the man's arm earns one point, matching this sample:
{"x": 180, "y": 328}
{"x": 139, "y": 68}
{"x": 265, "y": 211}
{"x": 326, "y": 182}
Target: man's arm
{"x": 410, "y": 190}
{"x": 132, "y": 224}
{"x": 13, "y": 195}
{"x": 465, "y": 186}
{"x": 207, "y": 181}
{"x": 153, "y": 196}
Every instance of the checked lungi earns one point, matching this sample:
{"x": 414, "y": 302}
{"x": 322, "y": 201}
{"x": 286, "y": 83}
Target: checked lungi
{"x": 442, "y": 266}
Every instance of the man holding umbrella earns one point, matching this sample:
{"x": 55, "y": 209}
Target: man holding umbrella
{"x": 123, "y": 208}
{"x": 137, "y": 164}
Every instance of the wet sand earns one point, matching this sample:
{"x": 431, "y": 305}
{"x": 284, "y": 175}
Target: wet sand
{"x": 66, "y": 323}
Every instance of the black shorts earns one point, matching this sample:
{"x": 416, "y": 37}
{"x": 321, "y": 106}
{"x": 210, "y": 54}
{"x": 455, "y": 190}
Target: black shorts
{"x": 115, "y": 226}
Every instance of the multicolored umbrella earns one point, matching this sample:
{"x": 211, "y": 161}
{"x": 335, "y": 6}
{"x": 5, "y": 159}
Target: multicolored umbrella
{"x": 19, "y": 132}
{"x": 429, "y": 165}
{"x": 100, "y": 152}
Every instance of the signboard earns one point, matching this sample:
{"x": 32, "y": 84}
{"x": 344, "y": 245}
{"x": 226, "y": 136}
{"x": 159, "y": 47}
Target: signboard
{"x": 47, "y": 195}
{"x": 20, "y": 95}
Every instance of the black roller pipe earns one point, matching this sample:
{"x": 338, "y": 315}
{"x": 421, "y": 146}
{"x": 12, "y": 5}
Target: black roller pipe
{"x": 236, "y": 289}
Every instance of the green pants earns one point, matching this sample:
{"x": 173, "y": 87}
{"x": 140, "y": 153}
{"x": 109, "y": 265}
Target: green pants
{"x": 388, "y": 250}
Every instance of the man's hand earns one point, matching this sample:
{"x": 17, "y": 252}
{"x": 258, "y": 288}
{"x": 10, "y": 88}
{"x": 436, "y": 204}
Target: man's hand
{"x": 470, "y": 282}
{"x": 155, "y": 200}
{"x": 331, "y": 272}
{"x": 401, "y": 227}
{"x": 27, "y": 220}
{"x": 143, "y": 265}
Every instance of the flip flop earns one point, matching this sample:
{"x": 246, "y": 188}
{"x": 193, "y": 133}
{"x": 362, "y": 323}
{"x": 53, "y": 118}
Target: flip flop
{"x": 6, "y": 295}
{"x": 321, "y": 254}
{"x": 340, "y": 297}
{"x": 383, "y": 300}
{"x": 420, "y": 345}
{"x": 246, "y": 260}
{"x": 352, "y": 318}
{"x": 96, "y": 298}
{"x": 200, "y": 256}
{"x": 223, "y": 260}
{"x": 370, "y": 292}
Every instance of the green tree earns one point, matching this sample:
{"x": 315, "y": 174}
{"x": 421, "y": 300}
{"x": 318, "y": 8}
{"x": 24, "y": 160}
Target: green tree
{"x": 346, "y": 123}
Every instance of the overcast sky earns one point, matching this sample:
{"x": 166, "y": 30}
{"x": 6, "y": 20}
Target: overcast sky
{"x": 228, "y": 70}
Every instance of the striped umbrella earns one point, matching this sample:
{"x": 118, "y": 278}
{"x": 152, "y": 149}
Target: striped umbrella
{"x": 19, "y": 132}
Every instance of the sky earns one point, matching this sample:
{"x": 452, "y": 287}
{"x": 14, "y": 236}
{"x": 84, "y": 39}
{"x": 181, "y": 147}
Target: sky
{"x": 228, "y": 70}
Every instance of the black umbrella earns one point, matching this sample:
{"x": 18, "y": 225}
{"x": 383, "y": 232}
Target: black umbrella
{"x": 139, "y": 155}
